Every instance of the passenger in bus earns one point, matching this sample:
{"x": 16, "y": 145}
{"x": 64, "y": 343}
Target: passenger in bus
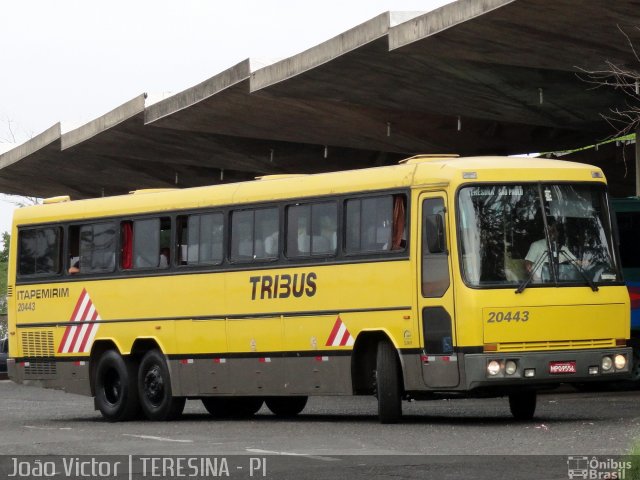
{"x": 164, "y": 257}
{"x": 271, "y": 244}
{"x": 74, "y": 267}
{"x": 540, "y": 248}
{"x": 328, "y": 232}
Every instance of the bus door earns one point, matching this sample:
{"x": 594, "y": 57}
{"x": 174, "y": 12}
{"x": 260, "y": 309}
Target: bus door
{"x": 435, "y": 294}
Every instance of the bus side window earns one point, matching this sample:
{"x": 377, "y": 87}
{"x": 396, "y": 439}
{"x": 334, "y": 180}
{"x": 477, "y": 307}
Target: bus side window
{"x": 375, "y": 224}
{"x": 201, "y": 238}
{"x": 92, "y": 248}
{"x": 40, "y": 251}
{"x": 145, "y": 242}
{"x": 255, "y": 235}
{"x": 312, "y": 229}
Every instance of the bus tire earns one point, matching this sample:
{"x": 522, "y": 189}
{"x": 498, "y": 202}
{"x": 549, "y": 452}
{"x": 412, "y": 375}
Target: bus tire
{"x": 286, "y": 406}
{"x": 388, "y": 383}
{"x": 523, "y": 405}
{"x": 115, "y": 387}
{"x": 154, "y": 388}
{"x": 635, "y": 365}
{"x": 232, "y": 407}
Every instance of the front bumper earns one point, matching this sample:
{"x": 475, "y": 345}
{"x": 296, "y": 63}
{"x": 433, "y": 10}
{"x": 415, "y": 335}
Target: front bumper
{"x": 477, "y": 376}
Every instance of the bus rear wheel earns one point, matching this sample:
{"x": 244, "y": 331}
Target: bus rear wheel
{"x": 523, "y": 405}
{"x": 232, "y": 407}
{"x": 115, "y": 387}
{"x": 388, "y": 383}
{"x": 154, "y": 388}
{"x": 286, "y": 406}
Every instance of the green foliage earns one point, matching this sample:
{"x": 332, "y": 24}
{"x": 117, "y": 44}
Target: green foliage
{"x": 3, "y": 288}
{"x": 4, "y": 251}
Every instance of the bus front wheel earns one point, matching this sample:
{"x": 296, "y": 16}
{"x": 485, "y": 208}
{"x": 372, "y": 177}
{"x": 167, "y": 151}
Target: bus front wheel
{"x": 388, "y": 383}
{"x": 286, "y": 406}
{"x": 154, "y": 388}
{"x": 115, "y": 387}
{"x": 523, "y": 405}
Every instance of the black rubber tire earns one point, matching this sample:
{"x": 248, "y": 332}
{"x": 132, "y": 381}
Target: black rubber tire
{"x": 232, "y": 407}
{"x": 388, "y": 383}
{"x": 154, "y": 388}
{"x": 286, "y": 406}
{"x": 635, "y": 365}
{"x": 523, "y": 405}
{"x": 115, "y": 387}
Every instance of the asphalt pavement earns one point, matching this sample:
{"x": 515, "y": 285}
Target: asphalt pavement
{"x": 338, "y": 436}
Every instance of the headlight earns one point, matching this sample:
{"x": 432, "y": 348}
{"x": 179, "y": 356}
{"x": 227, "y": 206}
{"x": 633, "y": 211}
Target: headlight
{"x": 510, "y": 367}
{"x": 620, "y": 361}
{"x": 606, "y": 364}
{"x": 493, "y": 368}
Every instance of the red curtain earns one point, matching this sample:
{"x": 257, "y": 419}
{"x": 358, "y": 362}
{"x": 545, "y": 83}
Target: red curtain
{"x": 399, "y": 219}
{"x": 127, "y": 245}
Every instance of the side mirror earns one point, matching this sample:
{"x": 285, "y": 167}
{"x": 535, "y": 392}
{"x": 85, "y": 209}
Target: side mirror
{"x": 435, "y": 233}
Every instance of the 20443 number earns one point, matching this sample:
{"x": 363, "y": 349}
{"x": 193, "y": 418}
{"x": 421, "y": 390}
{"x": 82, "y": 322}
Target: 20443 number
{"x": 27, "y": 307}
{"x": 516, "y": 316}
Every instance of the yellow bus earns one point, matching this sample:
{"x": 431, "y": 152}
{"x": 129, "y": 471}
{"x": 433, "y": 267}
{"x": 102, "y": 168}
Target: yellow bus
{"x": 440, "y": 277}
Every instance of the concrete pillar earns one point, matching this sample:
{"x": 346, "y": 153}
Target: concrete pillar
{"x": 638, "y": 161}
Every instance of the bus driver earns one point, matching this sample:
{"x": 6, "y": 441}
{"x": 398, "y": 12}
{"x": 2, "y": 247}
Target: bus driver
{"x": 539, "y": 248}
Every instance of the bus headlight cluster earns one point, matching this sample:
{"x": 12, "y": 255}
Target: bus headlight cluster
{"x": 510, "y": 367}
{"x": 493, "y": 368}
{"x": 496, "y": 367}
{"x": 619, "y": 362}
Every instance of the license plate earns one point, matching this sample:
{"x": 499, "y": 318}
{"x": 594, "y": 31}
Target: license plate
{"x": 562, "y": 367}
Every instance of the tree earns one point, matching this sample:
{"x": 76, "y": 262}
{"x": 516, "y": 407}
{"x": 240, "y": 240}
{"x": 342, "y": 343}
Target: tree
{"x": 4, "y": 258}
{"x": 4, "y": 251}
{"x": 626, "y": 79}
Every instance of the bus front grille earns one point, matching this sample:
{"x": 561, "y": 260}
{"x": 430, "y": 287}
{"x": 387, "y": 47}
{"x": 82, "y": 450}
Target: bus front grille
{"x": 556, "y": 345}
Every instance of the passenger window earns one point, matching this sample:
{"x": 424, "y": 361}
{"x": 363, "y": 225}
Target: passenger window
{"x": 146, "y": 243}
{"x": 255, "y": 235}
{"x": 312, "y": 229}
{"x": 201, "y": 239}
{"x": 40, "y": 251}
{"x": 92, "y": 248}
{"x": 376, "y": 224}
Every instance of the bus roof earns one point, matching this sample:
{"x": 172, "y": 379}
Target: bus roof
{"x": 420, "y": 171}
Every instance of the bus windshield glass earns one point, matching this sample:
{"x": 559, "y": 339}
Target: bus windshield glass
{"x": 536, "y": 235}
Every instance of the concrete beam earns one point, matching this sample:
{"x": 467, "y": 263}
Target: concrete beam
{"x": 441, "y": 19}
{"x": 191, "y": 96}
{"x": 40, "y": 141}
{"x": 105, "y": 122}
{"x": 316, "y": 56}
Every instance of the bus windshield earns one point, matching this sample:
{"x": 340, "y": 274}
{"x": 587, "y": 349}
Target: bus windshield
{"x": 536, "y": 234}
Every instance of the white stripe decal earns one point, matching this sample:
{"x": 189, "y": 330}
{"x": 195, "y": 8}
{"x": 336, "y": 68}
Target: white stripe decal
{"x": 92, "y": 335}
{"x": 339, "y": 335}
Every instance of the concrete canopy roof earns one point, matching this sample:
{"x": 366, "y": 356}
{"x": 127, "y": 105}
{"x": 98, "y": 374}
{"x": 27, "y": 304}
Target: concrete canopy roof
{"x": 473, "y": 77}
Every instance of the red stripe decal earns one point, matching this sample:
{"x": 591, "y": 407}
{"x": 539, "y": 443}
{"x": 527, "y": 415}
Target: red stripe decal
{"x": 87, "y": 334}
{"x": 345, "y": 338}
{"x": 334, "y": 332}
{"x": 73, "y": 319}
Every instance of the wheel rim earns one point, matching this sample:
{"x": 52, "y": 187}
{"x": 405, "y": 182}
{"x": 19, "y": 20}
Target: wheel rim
{"x": 154, "y": 386}
{"x": 112, "y": 386}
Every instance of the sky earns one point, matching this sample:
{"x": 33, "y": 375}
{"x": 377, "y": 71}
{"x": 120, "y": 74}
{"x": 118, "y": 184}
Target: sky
{"x": 74, "y": 60}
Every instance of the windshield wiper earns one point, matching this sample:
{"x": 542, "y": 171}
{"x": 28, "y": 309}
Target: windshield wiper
{"x": 573, "y": 262}
{"x": 535, "y": 267}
